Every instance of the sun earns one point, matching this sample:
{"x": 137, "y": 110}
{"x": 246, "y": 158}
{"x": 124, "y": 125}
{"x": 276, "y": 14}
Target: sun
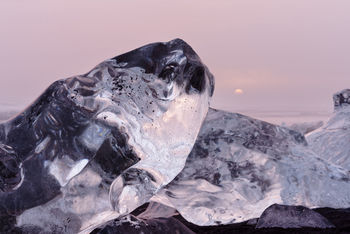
{"x": 238, "y": 91}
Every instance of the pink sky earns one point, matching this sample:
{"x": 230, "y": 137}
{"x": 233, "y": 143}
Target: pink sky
{"x": 284, "y": 55}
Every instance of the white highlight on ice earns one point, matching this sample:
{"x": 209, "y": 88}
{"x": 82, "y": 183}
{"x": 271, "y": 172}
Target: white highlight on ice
{"x": 65, "y": 169}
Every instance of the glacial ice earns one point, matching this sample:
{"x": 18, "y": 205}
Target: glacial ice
{"x": 331, "y": 142}
{"x": 94, "y": 147}
{"x": 239, "y": 166}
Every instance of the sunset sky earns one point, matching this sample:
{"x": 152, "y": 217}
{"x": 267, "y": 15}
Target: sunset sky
{"x": 271, "y": 55}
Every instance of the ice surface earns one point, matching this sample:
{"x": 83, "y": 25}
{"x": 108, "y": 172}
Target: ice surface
{"x": 157, "y": 210}
{"x": 94, "y": 147}
{"x": 332, "y": 141}
{"x": 239, "y": 166}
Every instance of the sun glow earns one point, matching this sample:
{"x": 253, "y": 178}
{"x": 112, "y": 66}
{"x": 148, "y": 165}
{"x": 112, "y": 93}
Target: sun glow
{"x": 238, "y": 91}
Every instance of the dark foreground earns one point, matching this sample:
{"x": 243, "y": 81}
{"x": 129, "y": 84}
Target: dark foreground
{"x": 340, "y": 218}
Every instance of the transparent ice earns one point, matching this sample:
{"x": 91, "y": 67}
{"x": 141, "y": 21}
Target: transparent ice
{"x": 239, "y": 166}
{"x": 96, "y": 146}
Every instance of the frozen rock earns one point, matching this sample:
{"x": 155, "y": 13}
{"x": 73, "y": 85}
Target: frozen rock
{"x": 239, "y": 166}
{"x": 94, "y": 147}
{"x": 331, "y": 142}
{"x": 292, "y": 217}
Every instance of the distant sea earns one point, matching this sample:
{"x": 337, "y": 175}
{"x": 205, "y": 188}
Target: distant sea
{"x": 9, "y": 111}
{"x": 275, "y": 117}
{"x": 288, "y": 117}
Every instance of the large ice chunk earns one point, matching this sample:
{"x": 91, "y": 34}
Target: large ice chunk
{"x": 332, "y": 141}
{"x": 239, "y": 166}
{"x": 96, "y": 146}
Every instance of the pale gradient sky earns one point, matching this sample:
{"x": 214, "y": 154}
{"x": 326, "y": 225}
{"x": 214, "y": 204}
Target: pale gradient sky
{"x": 283, "y": 54}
